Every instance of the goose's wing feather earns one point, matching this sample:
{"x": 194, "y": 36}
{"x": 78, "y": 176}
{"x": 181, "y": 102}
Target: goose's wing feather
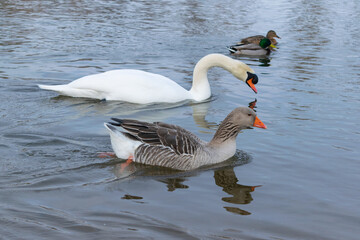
{"x": 178, "y": 139}
{"x": 164, "y": 156}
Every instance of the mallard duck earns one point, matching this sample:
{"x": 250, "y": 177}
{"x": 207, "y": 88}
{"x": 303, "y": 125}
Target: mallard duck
{"x": 142, "y": 87}
{"x": 252, "y": 49}
{"x": 168, "y": 145}
{"x": 257, "y": 38}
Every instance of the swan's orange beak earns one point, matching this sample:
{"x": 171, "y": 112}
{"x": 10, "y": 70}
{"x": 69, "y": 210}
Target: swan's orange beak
{"x": 251, "y": 80}
{"x": 258, "y": 123}
{"x": 251, "y": 85}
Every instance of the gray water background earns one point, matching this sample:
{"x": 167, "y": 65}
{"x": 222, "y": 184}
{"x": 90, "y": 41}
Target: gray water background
{"x": 53, "y": 185}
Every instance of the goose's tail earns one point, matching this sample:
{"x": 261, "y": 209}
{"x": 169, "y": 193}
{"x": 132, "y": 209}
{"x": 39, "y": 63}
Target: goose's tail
{"x": 122, "y": 143}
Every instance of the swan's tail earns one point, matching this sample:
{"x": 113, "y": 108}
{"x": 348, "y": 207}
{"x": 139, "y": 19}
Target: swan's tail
{"x": 123, "y": 146}
{"x": 57, "y": 88}
{"x": 67, "y": 90}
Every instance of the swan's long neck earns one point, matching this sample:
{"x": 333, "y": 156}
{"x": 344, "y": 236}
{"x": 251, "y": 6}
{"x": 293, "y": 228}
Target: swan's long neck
{"x": 200, "y": 89}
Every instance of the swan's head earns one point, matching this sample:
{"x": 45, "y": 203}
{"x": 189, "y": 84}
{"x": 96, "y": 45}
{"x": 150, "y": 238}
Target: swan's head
{"x": 246, "y": 74}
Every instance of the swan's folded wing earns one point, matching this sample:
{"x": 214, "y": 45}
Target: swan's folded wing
{"x": 174, "y": 137}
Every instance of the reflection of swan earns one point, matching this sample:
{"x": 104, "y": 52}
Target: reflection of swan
{"x": 137, "y": 86}
{"x": 252, "y": 104}
{"x": 200, "y": 111}
{"x": 168, "y": 145}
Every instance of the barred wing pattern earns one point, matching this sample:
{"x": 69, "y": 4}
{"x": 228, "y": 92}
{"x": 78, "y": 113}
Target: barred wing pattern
{"x": 163, "y": 156}
{"x": 163, "y": 144}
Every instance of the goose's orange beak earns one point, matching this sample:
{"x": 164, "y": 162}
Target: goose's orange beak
{"x": 258, "y": 123}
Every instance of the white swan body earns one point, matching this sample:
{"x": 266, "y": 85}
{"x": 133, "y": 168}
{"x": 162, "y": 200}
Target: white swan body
{"x": 142, "y": 87}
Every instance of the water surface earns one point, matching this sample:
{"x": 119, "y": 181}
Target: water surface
{"x": 298, "y": 179}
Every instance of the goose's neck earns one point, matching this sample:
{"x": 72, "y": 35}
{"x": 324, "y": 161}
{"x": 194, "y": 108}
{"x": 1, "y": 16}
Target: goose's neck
{"x": 223, "y": 144}
{"x": 200, "y": 89}
{"x": 227, "y": 131}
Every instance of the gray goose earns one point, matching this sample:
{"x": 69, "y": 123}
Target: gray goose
{"x": 168, "y": 145}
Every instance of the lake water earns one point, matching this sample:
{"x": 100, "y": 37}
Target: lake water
{"x": 53, "y": 185}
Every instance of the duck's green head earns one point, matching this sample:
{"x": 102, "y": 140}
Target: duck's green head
{"x": 265, "y": 43}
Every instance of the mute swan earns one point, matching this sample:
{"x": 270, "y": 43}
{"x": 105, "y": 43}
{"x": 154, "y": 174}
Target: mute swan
{"x": 271, "y": 35}
{"x": 143, "y": 87}
{"x": 168, "y": 145}
{"x": 252, "y": 49}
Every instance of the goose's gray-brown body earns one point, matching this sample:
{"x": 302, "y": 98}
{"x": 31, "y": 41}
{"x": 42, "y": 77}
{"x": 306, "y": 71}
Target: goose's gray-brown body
{"x": 168, "y": 145}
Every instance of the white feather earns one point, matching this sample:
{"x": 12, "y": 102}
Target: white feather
{"x": 142, "y": 87}
{"x": 123, "y": 146}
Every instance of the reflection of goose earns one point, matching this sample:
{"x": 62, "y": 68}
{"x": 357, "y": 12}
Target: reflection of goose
{"x": 171, "y": 146}
{"x": 227, "y": 179}
{"x": 143, "y": 87}
{"x": 174, "y": 183}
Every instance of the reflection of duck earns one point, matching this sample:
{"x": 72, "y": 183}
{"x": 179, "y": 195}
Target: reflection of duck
{"x": 252, "y": 49}
{"x": 265, "y": 62}
{"x": 271, "y": 35}
{"x": 142, "y": 87}
{"x": 171, "y": 146}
